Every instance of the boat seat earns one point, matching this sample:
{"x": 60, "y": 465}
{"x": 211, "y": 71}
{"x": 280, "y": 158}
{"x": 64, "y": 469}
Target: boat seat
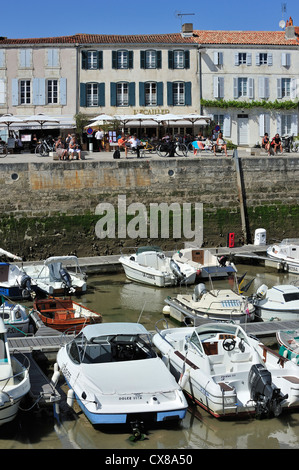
{"x": 216, "y": 359}
{"x": 241, "y": 357}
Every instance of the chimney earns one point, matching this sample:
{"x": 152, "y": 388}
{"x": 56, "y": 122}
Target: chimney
{"x": 290, "y": 32}
{"x": 187, "y": 29}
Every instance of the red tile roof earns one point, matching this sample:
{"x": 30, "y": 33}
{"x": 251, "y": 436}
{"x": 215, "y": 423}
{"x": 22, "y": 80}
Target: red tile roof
{"x": 199, "y": 37}
{"x": 245, "y": 37}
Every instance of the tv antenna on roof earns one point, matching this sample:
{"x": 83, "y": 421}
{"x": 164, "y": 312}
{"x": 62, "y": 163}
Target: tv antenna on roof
{"x": 179, "y": 14}
{"x": 282, "y": 22}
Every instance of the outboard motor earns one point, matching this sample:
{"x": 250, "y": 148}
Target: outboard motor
{"x": 66, "y": 278}
{"x": 25, "y": 285}
{"x": 262, "y": 292}
{"x": 176, "y": 270}
{"x": 268, "y": 398}
{"x": 199, "y": 290}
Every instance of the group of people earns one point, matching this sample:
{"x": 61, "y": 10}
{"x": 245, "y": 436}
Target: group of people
{"x": 129, "y": 142}
{"x": 69, "y": 149}
{"x": 274, "y": 146}
{"x": 210, "y": 144}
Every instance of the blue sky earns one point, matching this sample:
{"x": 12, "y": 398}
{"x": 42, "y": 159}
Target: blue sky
{"x": 35, "y": 18}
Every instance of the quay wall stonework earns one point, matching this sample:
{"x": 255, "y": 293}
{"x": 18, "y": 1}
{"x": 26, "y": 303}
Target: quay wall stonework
{"x": 55, "y": 201}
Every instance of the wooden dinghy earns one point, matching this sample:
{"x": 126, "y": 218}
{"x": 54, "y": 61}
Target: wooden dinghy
{"x": 65, "y": 314}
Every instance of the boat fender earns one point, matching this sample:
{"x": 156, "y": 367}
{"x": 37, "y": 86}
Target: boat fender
{"x": 70, "y": 398}
{"x": 183, "y": 378}
{"x": 166, "y": 310}
{"x": 55, "y": 378}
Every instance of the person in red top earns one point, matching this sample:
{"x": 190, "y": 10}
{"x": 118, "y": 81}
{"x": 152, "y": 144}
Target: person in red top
{"x": 276, "y": 143}
{"x": 122, "y": 143}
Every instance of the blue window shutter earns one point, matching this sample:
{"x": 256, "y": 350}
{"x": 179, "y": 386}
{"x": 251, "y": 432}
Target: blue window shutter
{"x": 250, "y": 87}
{"x": 226, "y": 125}
{"x": 99, "y": 59}
{"x": 2, "y": 58}
{"x": 62, "y": 92}
{"x": 15, "y": 92}
{"x": 188, "y": 98}
{"x": 132, "y": 94}
{"x": 160, "y": 94}
{"x": 169, "y": 94}
{"x": 101, "y": 94}
{"x": 83, "y": 95}
{"x": 248, "y": 58}
{"x": 221, "y": 87}
{"x": 279, "y": 89}
{"x": 170, "y": 59}
{"x": 23, "y": 58}
{"x": 112, "y": 94}
{"x": 141, "y": 94}
{"x": 236, "y": 90}
{"x": 159, "y": 59}
{"x": 236, "y": 58}
{"x": 114, "y": 62}
{"x": 84, "y": 60}
{"x": 269, "y": 58}
{"x": 187, "y": 59}
{"x": 130, "y": 62}
{"x": 142, "y": 59}
{"x": 39, "y": 91}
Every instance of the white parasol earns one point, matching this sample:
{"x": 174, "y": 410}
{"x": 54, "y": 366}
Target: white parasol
{"x": 41, "y": 119}
{"x": 9, "y": 119}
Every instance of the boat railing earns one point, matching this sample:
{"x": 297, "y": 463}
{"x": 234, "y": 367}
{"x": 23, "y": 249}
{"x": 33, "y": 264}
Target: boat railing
{"x": 159, "y": 332}
{"x": 24, "y": 362}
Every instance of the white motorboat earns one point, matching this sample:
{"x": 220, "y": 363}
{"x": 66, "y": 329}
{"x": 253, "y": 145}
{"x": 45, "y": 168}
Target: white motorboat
{"x": 117, "y": 377}
{"x": 206, "y": 264}
{"x": 289, "y": 344}
{"x": 15, "y": 319}
{"x": 281, "y": 302}
{"x": 227, "y": 372}
{"x": 14, "y": 380}
{"x": 14, "y": 282}
{"x": 287, "y": 254}
{"x": 58, "y": 275}
{"x": 151, "y": 266}
{"x": 216, "y": 304}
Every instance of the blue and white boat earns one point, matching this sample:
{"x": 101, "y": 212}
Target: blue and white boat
{"x": 14, "y": 282}
{"x": 117, "y": 377}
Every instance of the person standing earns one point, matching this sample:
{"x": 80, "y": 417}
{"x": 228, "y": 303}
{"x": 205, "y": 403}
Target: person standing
{"x": 99, "y": 137}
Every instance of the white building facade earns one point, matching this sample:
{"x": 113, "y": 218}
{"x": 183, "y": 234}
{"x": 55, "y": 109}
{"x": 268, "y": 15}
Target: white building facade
{"x": 246, "y": 81}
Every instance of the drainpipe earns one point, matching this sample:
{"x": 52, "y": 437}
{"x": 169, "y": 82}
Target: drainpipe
{"x": 77, "y": 76}
{"x": 199, "y": 80}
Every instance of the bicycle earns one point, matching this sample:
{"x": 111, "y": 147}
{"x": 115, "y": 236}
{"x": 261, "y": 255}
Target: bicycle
{"x": 44, "y": 147}
{"x": 165, "y": 148}
{"x": 149, "y": 147}
{"x": 3, "y": 150}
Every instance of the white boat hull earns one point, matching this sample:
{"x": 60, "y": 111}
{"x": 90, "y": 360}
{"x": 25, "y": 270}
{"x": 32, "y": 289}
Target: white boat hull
{"x": 13, "y": 392}
{"x": 218, "y": 380}
{"x": 151, "y": 276}
{"x": 280, "y": 315}
{"x": 121, "y": 383}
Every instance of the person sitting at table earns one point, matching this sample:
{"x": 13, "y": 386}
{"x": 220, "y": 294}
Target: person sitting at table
{"x": 122, "y": 144}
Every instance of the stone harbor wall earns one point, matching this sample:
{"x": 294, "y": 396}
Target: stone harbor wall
{"x": 51, "y": 208}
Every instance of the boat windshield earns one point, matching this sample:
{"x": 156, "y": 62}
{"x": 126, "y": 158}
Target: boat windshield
{"x": 210, "y": 330}
{"x": 110, "y": 348}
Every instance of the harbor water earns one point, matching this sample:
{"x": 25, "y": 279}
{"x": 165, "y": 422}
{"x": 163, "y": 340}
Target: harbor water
{"x": 118, "y": 299}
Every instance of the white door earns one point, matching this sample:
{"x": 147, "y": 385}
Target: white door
{"x": 243, "y": 131}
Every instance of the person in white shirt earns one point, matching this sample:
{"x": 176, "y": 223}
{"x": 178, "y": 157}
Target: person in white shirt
{"x": 99, "y": 137}
{"x": 135, "y": 144}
